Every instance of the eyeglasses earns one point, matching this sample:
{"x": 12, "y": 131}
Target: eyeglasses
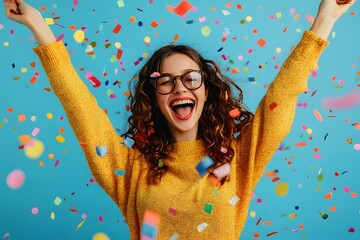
{"x": 165, "y": 83}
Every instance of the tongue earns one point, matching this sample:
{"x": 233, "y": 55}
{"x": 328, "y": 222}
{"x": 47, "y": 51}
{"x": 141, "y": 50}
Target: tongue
{"x": 183, "y": 111}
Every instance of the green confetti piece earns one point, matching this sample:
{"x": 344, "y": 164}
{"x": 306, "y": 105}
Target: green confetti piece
{"x": 208, "y": 208}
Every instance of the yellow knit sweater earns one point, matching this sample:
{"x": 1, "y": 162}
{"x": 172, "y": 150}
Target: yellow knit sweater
{"x": 181, "y": 196}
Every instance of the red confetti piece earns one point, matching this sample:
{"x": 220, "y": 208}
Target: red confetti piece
{"x": 351, "y": 230}
{"x": 270, "y": 234}
{"x": 117, "y": 29}
{"x": 154, "y": 24}
{"x": 272, "y": 106}
{"x": 119, "y": 54}
{"x": 180, "y": 9}
{"x": 95, "y": 82}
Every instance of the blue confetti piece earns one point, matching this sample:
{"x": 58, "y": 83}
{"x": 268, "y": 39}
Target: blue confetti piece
{"x": 120, "y": 172}
{"x": 101, "y": 150}
{"x": 129, "y": 142}
{"x": 251, "y": 79}
{"x": 149, "y": 230}
{"x": 204, "y": 165}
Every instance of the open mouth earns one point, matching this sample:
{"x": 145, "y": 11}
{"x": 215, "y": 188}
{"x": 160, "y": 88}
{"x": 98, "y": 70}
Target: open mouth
{"x": 182, "y": 108}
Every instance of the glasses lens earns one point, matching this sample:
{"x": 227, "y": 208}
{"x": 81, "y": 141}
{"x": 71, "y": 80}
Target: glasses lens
{"x": 164, "y": 84}
{"x": 192, "y": 80}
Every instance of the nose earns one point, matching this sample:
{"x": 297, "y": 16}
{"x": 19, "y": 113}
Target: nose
{"x": 179, "y": 86}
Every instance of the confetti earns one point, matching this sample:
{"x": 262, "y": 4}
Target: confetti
{"x": 101, "y": 150}
{"x": 94, "y": 81}
{"x": 208, "y": 208}
{"x": 99, "y": 235}
{"x": 318, "y": 115}
{"x": 282, "y": 189}
{"x": 222, "y": 171}
{"x": 201, "y": 227}
{"x": 155, "y": 74}
{"x": 15, "y": 179}
{"x": 205, "y": 31}
{"x": 347, "y": 101}
{"x": 203, "y": 166}
{"x": 181, "y": 9}
{"x": 79, "y": 36}
{"x": 234, "y": 200}
{"x": 120, "y": 172}
{"x": 129, "y": 142}
{"x": 234, "y": 112}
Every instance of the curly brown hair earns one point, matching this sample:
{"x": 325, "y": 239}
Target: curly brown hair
{"x": 149, "y": 128}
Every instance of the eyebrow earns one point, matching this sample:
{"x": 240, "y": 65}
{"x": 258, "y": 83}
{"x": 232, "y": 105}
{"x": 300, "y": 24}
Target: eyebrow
{"x": 183, "y": 71}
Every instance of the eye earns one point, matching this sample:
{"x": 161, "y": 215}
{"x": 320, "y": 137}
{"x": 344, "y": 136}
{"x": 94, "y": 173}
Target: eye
{"x": 192, "y": 77}
{"x": 164, "y": 81}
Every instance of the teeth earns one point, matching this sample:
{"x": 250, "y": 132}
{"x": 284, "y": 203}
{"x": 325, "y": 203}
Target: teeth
{"x": 181, "y": 102}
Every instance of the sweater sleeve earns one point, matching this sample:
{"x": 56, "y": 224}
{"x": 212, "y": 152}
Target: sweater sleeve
{"x": 274, "y": 115}
{"x": 90, "y": 124}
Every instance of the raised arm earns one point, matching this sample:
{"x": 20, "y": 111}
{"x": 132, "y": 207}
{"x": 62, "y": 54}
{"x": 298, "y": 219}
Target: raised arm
{"x": 90, "y": 123}
{"x": 274, "y": 116}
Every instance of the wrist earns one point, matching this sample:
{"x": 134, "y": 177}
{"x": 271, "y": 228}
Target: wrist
{"x": 323, "y": 25}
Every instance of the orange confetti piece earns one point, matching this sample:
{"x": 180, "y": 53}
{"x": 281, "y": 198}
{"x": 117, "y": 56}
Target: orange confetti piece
{"x": 318, "y": 115}
{"x": 176, "y": 37}
{"x": 235, "y": 70}
{"x": 127, "y": 93}
{"x": 353, "y": 194}
{"x": 332, "y": 209}
{"x": 328, "y": 195}
{"x": 22, "y": 118}
{"x": 300, "y": 144}
{"x": 270, "y": 174}
{"x": 32, "y": 64}
{"x": 267, "y": 223}
{"x": 292, "y": 215}
{"x": 154, "y": 24}
{"x": 239, "y": 6}
{"x": 25, "y": 139}
{"x": 261, "y": 42}
{"x": 33, "y": 80}
{"x": 117, "y": 29}
{"x": 357, "y": 126}
{"x": 234, "y": 113}
{"x": 272, "y": 106}
{"x": 229, "y": 4}
{"x": 180, "y": 9}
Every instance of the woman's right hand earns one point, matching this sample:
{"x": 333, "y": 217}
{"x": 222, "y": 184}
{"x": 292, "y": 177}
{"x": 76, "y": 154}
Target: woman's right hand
{"x": 21, "y": 12}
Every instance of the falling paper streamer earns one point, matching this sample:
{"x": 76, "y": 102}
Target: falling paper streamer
{"x": 349, "y": 100}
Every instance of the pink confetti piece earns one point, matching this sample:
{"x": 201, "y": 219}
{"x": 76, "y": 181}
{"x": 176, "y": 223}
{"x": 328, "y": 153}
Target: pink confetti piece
{"x": 172, "y": 211}
{"x": 155, "y": 74}
{"x": 347, "y": 189}
{"x": 35, "y": 131}
{"x": 15, "y": 179}
{"x": 56, "y": 163}
{"x": 222, "y": 171}
{"x": 347, "y": 101}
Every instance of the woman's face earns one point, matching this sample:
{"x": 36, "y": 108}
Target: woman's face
{"x": 182, "y": 107}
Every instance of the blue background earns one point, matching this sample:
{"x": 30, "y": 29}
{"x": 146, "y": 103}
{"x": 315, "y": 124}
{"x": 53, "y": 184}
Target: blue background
{"x": 70, "y": 180}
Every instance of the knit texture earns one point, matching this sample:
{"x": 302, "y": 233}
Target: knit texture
{"x": 189, "y": 206}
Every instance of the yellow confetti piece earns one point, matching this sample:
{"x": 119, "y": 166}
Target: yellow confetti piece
{"x": 49, "y": 115}
{"x": 80, "y": 224}
{"x": 278, "y": 15}
{"x": 205, "y": 31}
{"x": 60, "y": 139}
{"x": 79, "y": 36}
{"x": 100, "y": 236}
{"x": 282, "y": 189}
{"x": 252, "y": 214}
{"x": 35, "y": 150}
{"x": 292, "y": 215}
{"x": 52, "y": 215}
{"x": 49, "y": 21}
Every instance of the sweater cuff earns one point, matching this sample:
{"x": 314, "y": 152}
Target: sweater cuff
{"x": 311, "y": 45}
{"x": 52, "y": 55}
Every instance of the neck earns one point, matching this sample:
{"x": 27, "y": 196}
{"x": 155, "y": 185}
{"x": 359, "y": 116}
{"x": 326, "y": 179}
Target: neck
{"x": 181, "y": 136}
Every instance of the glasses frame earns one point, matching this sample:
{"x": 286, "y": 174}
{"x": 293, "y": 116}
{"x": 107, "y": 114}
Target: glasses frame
{"x": 154, "y": 80}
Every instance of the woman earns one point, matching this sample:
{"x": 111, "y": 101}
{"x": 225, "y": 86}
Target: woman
{"x": 193, "y": 154}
